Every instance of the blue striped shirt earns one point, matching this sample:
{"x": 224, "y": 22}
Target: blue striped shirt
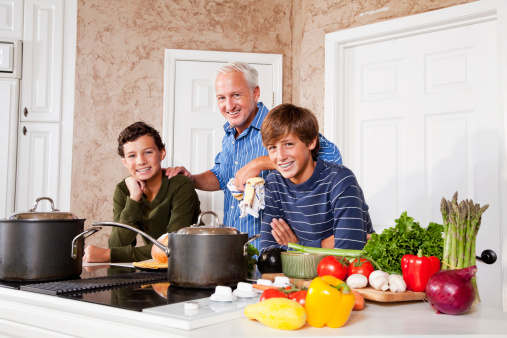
{"x": 329, "y": 203}
{"x": 236, "y": 153}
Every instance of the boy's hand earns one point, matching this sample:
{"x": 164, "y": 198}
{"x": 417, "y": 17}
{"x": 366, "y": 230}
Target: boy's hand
{"x": 94, "y": 254}
{"x": 328, "y": 243}
{"x": 136, "y": 188}
{"x": 282, "y": 232}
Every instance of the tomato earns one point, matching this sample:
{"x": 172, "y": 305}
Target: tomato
{"x": 272, "y": 293}
{"x": 361, "y": 266}
{"x": 333, "y": 266}
{"x": 299, "y": 296}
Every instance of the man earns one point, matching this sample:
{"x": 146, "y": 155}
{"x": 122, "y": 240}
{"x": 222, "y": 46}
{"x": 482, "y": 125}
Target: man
{"x": 243, "y": 156}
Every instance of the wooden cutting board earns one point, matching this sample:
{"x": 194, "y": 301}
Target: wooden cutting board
{"x": 367, "y": 292}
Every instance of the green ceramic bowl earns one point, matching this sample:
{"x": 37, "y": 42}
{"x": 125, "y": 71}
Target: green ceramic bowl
{"x": 300, "y": 265}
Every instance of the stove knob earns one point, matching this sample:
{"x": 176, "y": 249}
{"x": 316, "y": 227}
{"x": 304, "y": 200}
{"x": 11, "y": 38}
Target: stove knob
{"x": 191, "y": 305}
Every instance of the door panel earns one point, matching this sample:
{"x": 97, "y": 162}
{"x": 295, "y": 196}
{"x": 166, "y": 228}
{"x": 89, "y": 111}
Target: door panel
{"x": 38, "y": 164}
{"x": 42, "y": 61}
{"x": 198, "y": 124}
{"x": 423, "y": 123}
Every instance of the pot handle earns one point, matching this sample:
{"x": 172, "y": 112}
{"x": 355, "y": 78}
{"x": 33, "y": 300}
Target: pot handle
{"x": 85, "y": 234}
{"x": 206, "y": 213}
{"x": 161, "y": 246}
{"x": 43, "y": 198}
{"x": 251, "y": 239}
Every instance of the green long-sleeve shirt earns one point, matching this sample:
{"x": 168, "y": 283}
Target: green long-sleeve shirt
{"x": 175, "y": 206}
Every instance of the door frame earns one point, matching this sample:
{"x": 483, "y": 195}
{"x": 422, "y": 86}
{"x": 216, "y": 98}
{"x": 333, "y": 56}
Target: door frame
{"x": 173, "y": 55}
{"x": 336, "y": 89}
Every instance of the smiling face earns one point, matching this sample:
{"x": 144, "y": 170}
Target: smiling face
{"x": 142, "y": 158}
{"x": 292, "y": 158}
{"x": 236, "y": 101}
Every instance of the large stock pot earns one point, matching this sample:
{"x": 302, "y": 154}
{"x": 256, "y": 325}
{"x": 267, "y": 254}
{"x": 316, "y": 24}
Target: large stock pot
{"x": 42, "y": 246}
{"x": 202, "y": 256}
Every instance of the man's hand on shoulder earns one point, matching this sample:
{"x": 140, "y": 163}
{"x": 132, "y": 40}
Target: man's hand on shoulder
{"x": 171, "y": 172}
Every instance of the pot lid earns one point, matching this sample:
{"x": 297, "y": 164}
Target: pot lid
{"x": 54, "y": 214}
{"x": 196, "y": 229}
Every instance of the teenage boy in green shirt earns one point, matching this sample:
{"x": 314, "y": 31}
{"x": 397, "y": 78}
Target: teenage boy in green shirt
{"x": 147, "y": 200}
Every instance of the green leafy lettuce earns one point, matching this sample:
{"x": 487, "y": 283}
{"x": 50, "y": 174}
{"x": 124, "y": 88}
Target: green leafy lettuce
{"x": 406, "y": 237}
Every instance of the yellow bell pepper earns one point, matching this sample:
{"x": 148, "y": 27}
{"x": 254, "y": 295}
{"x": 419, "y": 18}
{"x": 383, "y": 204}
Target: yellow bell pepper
{"x": 326, "y": 304}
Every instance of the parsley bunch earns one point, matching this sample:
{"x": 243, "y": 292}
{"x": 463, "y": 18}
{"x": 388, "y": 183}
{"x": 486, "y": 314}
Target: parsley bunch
{"x": 406, "y": 237}
{"x": 252, "y": 253}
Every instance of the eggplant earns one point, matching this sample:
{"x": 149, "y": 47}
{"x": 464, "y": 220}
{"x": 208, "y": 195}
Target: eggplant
{"x": 270, "y": 261}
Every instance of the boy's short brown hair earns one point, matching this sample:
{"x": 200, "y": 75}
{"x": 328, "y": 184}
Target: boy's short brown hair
{"x": 289, "y": 119}
{"x": 135, "y": 131}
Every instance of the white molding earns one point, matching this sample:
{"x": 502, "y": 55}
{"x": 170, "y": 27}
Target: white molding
{"x": 68, "y": 91}
{"x": 336, "y": 44}
{"x": 173, "y": 55}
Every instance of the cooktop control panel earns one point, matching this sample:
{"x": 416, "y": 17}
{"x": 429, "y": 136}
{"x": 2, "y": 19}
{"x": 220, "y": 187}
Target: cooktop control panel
{"x": 201, "y": 312}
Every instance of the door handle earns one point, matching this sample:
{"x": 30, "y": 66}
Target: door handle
{"x": 487, "y": 256}
{"x": 24, "y": 131}
{"x": 25, "y": 112}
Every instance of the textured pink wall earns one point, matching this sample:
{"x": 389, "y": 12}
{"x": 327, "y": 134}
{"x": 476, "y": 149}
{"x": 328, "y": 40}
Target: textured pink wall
{"x": 119, "y": 74}
{"x": 120, "y": 56}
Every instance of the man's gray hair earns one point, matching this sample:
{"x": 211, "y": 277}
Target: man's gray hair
{"x": 250, "y": 73}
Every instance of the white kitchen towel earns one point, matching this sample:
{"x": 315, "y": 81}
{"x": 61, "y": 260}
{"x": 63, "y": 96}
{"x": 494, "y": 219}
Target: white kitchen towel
{"x": 252, "y": 200}
{"x": 235, "y": 193}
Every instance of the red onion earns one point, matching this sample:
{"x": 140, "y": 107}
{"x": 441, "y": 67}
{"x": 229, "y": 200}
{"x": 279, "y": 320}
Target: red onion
{"x": 451, "y": 291}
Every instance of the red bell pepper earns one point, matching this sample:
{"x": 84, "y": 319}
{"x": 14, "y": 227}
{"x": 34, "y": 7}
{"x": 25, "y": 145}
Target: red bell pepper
{"x": 418, "y": 269}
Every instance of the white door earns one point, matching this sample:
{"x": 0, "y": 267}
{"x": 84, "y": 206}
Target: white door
{"x": 9, "y": 89}
{"x": 38, "y": 164}
{"x": 198, "y": 124}
{"x": 423, "y": 124}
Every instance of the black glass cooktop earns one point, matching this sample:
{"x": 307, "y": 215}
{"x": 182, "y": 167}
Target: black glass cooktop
{"x": 154, "y": 290}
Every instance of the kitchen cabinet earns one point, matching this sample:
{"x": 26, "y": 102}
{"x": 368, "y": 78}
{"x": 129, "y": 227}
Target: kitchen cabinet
{"x": 40, "y": 104}
{"x": 11, "y": 19}
{"x": 42, "y": 61}
{"x": 42, "y": 146}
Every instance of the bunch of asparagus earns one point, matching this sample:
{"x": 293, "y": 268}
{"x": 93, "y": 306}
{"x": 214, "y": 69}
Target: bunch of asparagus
{"x": 461, "y": 225}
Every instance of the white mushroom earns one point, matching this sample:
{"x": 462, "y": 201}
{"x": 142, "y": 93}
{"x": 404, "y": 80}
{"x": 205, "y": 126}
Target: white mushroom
{"x": 396, "y": 283}
{"x": 379, "y": 280}
{"x": 357, "y": 281}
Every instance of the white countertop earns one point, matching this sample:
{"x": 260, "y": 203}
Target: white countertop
{"x": 31, "y": 314}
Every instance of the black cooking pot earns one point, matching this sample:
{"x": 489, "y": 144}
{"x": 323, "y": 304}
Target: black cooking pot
{"x": 202, "y": 256}
{"x": 42, "y": 246}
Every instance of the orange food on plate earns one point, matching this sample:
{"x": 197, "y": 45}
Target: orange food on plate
{"x": 157, "y": 254}
{"x": 359, "y": 302}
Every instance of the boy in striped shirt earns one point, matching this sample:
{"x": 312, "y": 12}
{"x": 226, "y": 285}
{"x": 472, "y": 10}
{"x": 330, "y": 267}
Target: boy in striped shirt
{"x": 310, "y": 202}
